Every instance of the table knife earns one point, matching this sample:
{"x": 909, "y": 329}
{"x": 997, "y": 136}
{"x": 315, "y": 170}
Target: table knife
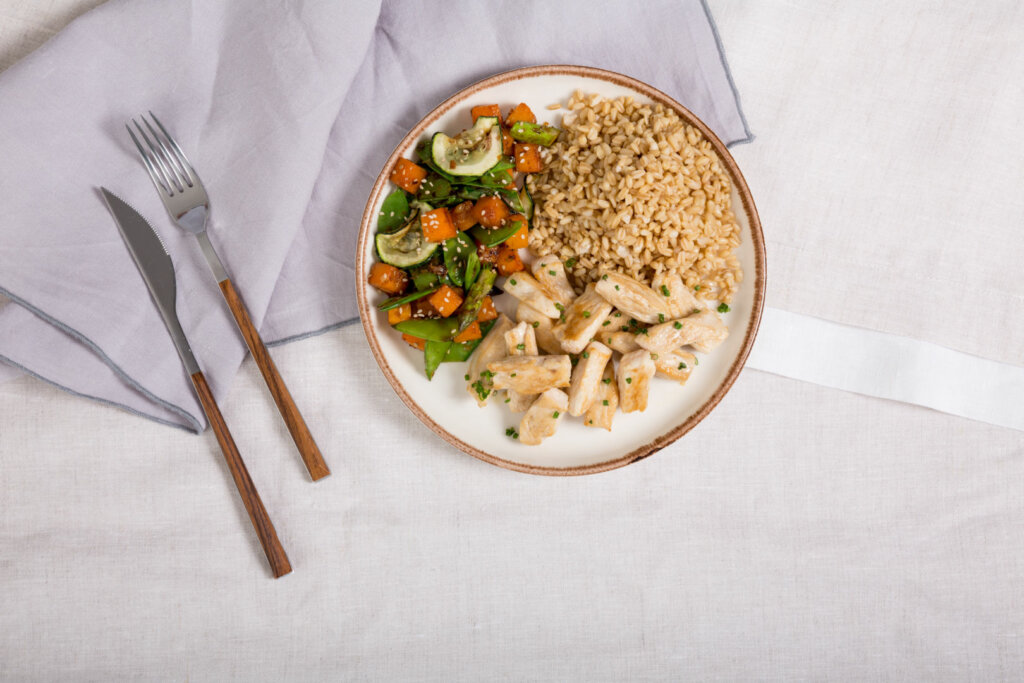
{"x": 154, "y": 263}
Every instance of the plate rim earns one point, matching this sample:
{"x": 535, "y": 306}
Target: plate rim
{"x": 746, "y": 199}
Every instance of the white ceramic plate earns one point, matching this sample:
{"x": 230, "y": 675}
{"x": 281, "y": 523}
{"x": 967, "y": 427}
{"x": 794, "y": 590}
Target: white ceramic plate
{"x": 445, "y": 406}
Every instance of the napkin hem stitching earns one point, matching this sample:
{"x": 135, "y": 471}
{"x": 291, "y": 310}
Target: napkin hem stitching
{"x": 75, "y": 334}
{"x": 312, "y": 333}
{"x": 728, "y": 76}
{"x": 98, "y": 399}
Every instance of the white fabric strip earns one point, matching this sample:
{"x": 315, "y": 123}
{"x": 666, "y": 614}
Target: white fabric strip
{"x": 889, "y": 366}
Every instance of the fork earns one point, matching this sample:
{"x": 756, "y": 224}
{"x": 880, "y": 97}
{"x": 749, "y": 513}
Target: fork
{"x": 186, "y": 201}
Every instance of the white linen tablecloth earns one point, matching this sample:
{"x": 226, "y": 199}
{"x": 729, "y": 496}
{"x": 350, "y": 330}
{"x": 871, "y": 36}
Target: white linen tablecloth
{"x": 798, "y": 533}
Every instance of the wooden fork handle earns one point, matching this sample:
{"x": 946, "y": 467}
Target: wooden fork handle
{"x": 279, "y": 563}
{"x": 308, "y": 449}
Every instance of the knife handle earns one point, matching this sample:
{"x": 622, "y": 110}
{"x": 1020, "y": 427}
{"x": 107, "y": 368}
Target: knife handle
{"x": 308, "y": 449}
{"x": 279, "y": 563}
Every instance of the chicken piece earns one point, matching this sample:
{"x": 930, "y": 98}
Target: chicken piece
{"x": 550, "y": 273}
{"x": 602, "y": 410}
{"x": 542, "y": 327}
{"x": 492, "y": 348}
{"x": 680, "y": 300}
{"x": 520, "y": 341}
{"x": 708, "y": 330}
{"x": 703, "y": 331}
{"x": 617, "y": 340}
{"x": 583, "y": 318}
{"x": 531, "y": 374}
{"x": 675, "y": 365}
{"x": 635, "y": 372}
{"x": 586, "y": 377}
{"x": 632, "y": 297}
{"x": 541, "y": 420}
{"x": 524, "y": 287}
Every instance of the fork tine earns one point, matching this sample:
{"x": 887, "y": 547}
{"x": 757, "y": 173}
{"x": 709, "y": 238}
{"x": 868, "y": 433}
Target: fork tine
{"x": 169, "y": 176}
{"x": 153, "y": 173}
{"x": 182, "y": 158}
{"x": 179, "y": 171}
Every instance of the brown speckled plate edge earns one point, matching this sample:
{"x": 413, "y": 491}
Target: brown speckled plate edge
{"x": 659, "y": 442}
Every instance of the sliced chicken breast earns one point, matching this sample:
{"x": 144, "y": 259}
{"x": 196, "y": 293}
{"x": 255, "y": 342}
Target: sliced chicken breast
{"x": 583, "y": 318}
{"x": 520, "y": 341}
{"x": 680, "y": 300}
{"x": 542, "y": 328}
{"x": 635, "y": 372}
{"x": 617, "y": 340}
{"x": 586, "y": 377}
{"x": 602, "y": 410}
{"x": 525, "y": 287}
{"x": 550, "y": 273}
{"x": 675, "y": 365}
{"x": 531, "y": 374}
{"x": 541, "y": 420}
{"x": 703, "y": 331}
{"x": 492, "y": 348}
{"x": 632, "y": 297}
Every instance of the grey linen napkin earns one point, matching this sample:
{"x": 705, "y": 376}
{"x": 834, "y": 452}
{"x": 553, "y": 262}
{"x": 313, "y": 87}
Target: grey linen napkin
{"x": 288, "y": 111}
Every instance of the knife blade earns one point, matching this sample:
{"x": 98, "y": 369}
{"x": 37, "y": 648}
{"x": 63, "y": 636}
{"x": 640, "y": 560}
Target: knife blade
{"x": 154, "y": 263}
{"x": 157, "y": 270}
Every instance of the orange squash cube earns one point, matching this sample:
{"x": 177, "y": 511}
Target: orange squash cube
{"x": 490, "y": 212}
{"x": 388, "y": 278}
{"x": 437, "y": 225}
{"x": 520, "y": 113}
{"x": 507, "y": 143}
{"x": 509, "y": 261}
{"x": 469, "y": 334}
{"x": 487, "y": 310}
{"x": 399, "y": 314}
{"x": 527, "y": 158}
{"x": 446, "y": 300}
{"x": 414, "y": 342}
{"x": 408, "y": 176}
{"x": 486, "y": 110}
{"x": 522, "y": 236}
{"x": 462, "y": 216}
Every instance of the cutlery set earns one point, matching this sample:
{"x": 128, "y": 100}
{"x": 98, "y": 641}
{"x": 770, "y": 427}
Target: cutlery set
{"x": 188, "y": 204}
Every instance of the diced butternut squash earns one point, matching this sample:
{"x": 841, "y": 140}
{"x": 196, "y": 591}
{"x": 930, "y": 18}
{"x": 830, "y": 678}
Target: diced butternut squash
{"x": 522, "y": 236}
{"x": 414, "y": 342}
{"x": 487, "y": 310}
{"x": 462, "y": 216}
{"x": 399, "y": 314}
{"x": 388, "y": 278}
{"x": 437, "y": 225}
{"x": 469, "y": 334}
{"x": 527, "y": 158}
{"x": 490, "y": 212}
{"x": 520, "y": 113}
{"x": 507, "y": 143}
{"x": 408, "y": 176}
{"x": 486, "y": 110}
{"x": 509, "y": 261}
{"x": 446, "y": 300}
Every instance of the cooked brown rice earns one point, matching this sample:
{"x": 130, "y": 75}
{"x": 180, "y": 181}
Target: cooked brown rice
{"x": 633, "y": 188}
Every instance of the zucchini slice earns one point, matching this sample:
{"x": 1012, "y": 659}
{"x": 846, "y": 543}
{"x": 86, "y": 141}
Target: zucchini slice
{"x": 405, "y": 248}
{"x": 470, "y": 153}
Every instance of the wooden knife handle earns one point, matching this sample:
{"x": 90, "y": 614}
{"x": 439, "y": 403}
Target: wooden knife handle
{"x": 308, "y": 449}
{"x": 279, "y": 563}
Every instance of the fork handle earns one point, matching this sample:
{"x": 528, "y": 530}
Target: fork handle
{"x": 308, "y": 449}
{"x": 272, "y": 547}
